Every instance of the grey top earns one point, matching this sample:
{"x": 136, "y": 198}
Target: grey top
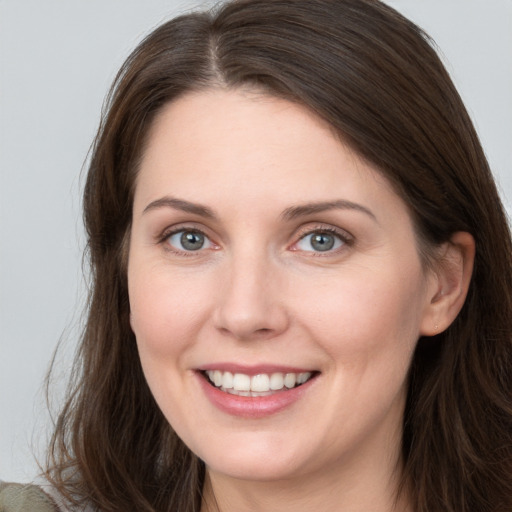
{"x": 25, "y": 498}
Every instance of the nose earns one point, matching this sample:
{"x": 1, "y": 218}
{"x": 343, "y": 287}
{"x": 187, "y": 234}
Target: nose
{"x": 251, "y": 300}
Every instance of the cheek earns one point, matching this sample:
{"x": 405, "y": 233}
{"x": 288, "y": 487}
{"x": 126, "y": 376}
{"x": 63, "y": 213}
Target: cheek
{"x": 165, "y": 322}
{"x": 367, "y": 316}
{"x": 165, "y": 311}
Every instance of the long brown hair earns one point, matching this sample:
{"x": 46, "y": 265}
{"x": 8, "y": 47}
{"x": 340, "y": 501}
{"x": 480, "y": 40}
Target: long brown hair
{"x": 374, "y": 76}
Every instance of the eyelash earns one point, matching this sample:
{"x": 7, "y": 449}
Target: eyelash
{"x": 346, "y": 239}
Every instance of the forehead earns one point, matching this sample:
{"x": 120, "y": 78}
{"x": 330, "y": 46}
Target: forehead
{"x": 224, "y": 146}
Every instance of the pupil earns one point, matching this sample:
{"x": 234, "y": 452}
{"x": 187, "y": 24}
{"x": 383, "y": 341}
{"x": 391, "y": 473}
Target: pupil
{"x": 192, "y": 241}
{"x": 322, "y": 242}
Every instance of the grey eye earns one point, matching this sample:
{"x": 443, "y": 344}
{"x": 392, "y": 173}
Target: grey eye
{"x": 189, "y": 240}
{"x": 319, "y": 241}
{"x": 322, "y": 242}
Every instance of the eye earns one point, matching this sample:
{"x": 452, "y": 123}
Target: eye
{"x": 188, "y": 240}
{"x": 320, "y": 241}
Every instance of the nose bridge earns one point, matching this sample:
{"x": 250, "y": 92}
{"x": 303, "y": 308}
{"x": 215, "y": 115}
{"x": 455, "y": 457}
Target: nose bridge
{"x": 250, "y": 303}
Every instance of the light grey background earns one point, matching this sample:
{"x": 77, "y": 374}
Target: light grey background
{"x": 57, "y": 59}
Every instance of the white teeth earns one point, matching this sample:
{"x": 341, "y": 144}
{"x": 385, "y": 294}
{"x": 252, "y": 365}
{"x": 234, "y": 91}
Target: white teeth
{"x": 290, "y": 380}
{"x": 227, "y": 380}
{"x": 257, "y": 385}
{"x": 303, "y": 377}
{"x": 241, "y": 382}
{"x": 260, "y": 383}
{"x": 217, "y": 378}
{"x": 276, "y": 381}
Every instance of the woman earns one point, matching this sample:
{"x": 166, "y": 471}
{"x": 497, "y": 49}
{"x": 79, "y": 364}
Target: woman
{"x": 301, "y": 275}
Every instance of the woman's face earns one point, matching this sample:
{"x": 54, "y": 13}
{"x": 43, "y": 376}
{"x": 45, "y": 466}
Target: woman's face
{"x": 265, "y": 256}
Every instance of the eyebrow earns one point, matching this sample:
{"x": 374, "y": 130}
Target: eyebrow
{"x": 311, "y": 208}
{"x": 180, "y": 204}
{"x": 291, "y": 213}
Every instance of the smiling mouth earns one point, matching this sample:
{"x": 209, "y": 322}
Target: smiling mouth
{"x": 262, "y": 384}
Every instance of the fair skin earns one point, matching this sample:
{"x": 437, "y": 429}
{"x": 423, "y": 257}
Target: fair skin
{"x": 262, "y": 245}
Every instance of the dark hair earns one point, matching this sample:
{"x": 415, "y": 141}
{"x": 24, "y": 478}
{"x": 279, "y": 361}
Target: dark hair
{"x": 375, "y": 77}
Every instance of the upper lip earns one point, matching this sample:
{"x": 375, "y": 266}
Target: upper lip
{"x": 253, "y": 369}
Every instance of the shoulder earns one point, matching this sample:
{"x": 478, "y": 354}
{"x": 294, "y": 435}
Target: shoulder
{"x": 25, "y": 498}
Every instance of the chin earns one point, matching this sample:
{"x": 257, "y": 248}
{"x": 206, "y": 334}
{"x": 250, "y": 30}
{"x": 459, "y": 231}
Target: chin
{"x": 255, "y": 460}
{"x": 259, "y": 470}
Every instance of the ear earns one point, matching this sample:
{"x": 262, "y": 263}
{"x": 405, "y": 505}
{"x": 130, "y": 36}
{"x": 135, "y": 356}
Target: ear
{"x": 449, "y": 284}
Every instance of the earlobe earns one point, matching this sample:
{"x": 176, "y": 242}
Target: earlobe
{"x": 450, "y": 284}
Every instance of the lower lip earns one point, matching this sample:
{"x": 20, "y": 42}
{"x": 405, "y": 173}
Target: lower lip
{"x": 253, "y": 406}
